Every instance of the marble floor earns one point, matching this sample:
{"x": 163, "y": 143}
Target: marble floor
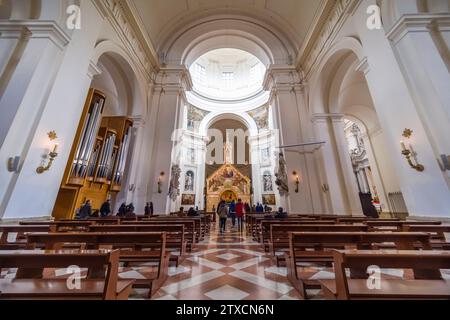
{"x": 227, "y": 267}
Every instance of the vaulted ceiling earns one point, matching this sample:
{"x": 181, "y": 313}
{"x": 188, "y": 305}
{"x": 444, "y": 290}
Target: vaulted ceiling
{"x": 294, "y": 18}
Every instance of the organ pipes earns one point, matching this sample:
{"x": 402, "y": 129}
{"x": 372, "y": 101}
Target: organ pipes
{"x": 123, "y": 152}
{"x": 87, "y": 141}
{"x": 106, "y": 156}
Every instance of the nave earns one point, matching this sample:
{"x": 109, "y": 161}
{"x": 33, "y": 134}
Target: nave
{"x": 187, "y": 258}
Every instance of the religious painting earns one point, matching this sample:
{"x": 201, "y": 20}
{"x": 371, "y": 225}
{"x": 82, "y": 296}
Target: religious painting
{"x": 229, "y": 196}
{"x": 267, "y": 182}
{"x": 188, "y": 200}
{"x": 261, "y": 117}
{"x": 189, "y": 181}
{"x": 194, "y": 118}
{"x": 265, "y": 155}
{"x": 269, "y": 200}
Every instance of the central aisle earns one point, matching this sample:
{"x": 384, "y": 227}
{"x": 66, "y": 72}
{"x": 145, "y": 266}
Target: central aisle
{"x": 226, "y": 267}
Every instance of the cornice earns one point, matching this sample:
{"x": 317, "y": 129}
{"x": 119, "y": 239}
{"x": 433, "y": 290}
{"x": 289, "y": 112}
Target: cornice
{"x": 411, "y": 23}
{"x": 35, "y": 29}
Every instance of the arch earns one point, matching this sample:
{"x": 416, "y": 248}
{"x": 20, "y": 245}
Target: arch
{"x": 122, "y": 61}
{"x": 243, "y": 118}
{"x": 190, "y": 43}
{"x": 328, "y": 66}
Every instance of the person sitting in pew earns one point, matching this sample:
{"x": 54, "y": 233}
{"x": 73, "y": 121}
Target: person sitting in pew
{"x": 122, "y": 210}
{"x": 192, "y": 213}
{"x": 281, "y": 214}
{"x": 181, "y": 213}
{"x": 149, "y": 209}
{"x": 105, "y": 209}
{"x": 85, "y": 211}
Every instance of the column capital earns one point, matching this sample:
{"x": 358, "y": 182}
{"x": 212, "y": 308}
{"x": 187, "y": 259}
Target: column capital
{"x": 93, "y": 70}
{"x": 283, "y": 78}
{"x": 324, "y": 117}
{"x": 418, "y": 23}
{"x": 35, "y": 29}
{"x": 174, "y": 79}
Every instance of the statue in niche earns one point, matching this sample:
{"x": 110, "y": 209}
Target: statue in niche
{"x": 267, "y": 182}
{"x": 174, "y": 189}
{"x": 282, "y": 177}
{"x": 189, "y": 181}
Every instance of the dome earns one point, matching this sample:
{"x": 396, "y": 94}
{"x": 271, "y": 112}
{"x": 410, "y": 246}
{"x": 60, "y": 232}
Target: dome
{"x": 227, "y": 74}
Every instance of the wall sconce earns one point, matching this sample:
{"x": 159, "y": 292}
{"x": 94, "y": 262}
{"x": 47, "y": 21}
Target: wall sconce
{"x": 297, "y": 181}
{"x": 52, "y": 155}
{"x": 409, "y": 153}
{"x": 160, "y": 179}
{"x": 132, "y": 187}
{"x": 325, "y": 188}
{"x": 446, "y": 162}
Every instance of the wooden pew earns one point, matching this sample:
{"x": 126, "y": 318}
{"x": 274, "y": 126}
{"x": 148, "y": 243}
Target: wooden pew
{"x": 70, "y": 225}
{"x": 439, "y": 241}
{"x": 263, "y": 235}
{"x": 279, "y": 235}
{"x": 135, "y": 247}
{"x": 102, "y": 281}
{"x": 199, "y": 236}
{"x": 399, "y": 224}
{"x": 20, "y": 230}
{"x": 317, "y": 248}
{"x": 189, "y": 228}
{"x": 175, "y": 242}
{"x": 427, "y": 283}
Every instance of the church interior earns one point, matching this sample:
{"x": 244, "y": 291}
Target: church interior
{"x": 224, "y": 149}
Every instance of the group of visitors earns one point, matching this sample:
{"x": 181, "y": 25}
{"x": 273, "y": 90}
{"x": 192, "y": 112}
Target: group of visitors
{"x": 235, "y": 211}
{"x": 192, "y": 212}
{"x": 125, "y": 211}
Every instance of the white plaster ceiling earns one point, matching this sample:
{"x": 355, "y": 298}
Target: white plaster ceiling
{"x": 161, "y": 18}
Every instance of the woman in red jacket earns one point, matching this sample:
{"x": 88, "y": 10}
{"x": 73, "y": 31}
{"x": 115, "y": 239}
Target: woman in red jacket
{"x": 240, "y": 212}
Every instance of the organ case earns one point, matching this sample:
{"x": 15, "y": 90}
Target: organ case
{"x": 98, "y": 159}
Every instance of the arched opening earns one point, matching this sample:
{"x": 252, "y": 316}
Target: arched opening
{"x": 365, "y": 174}
{"x": 101, "y": 159}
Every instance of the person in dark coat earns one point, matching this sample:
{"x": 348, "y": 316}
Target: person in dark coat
{"x": 86, "y": 210}
{"x": 192, "y": 212}
{"x": 281, "y": 214}
{"x": 149, "y": 209}
{"x": 105, "y": 209}
{"x": 122, "y": 210}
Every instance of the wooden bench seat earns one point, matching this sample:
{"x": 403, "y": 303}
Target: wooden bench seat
{"x": 101, "y": 282}
{"x": 21, "y": 230}
{"x": 279, "y": 235}
{"x": 428, "y": 282}
{"x": 135, "y": 247}
{"x": 175, "y": 241}
{"x": 70, "y": 225}
{"x": 318, "y": 247}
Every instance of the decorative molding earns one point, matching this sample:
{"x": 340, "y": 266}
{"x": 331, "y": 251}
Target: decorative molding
{"x": 363, "y": 66}
{"x": 336, "y": 19}
{"x": 418, "y": 23}
{"x": 117, "y": 12}
{"x": 93, "y": 70}
{"x": 335, "y": 117}
{"x": 35, "y": 29}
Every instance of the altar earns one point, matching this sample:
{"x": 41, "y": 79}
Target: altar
{"x": 227, "y": 184}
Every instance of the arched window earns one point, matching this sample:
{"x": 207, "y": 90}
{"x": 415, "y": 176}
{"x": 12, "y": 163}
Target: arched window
{"x": 267, "y": 182}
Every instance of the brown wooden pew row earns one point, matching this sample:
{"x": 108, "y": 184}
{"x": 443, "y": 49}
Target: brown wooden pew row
{"x": 101, "y": 283}
{"x": 175, "y": 241}
{"x": 317, "y": 247}
{"x": 199, "y": 235}
{"x": 399, "y": 224}
{"x": 72, "y": 225}
{"x": 439, "y": 241}
{"x": 189, "y": 228}
{"x": 263, "y": 235}
{"x": 20, "y": 230}
{"x": 135, "y": 247}
{"x": 279, "y": 235}
{"x": 427, "y": 283}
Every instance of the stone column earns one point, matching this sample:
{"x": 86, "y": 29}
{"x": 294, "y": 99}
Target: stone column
{"x": 427, "y": 193}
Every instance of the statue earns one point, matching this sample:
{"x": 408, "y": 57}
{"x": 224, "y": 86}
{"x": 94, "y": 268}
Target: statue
{"x": 174, "y": 189}
{"x": 282, "y": 178}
